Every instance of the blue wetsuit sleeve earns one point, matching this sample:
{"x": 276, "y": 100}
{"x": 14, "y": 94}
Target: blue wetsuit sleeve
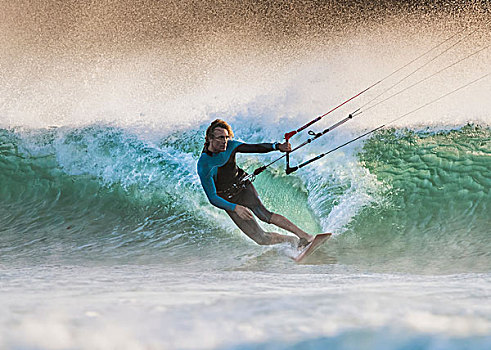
{"x": 211, "y": 193}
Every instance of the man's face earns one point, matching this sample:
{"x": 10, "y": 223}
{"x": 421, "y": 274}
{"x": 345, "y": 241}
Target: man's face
{"x": 219, "y": 141}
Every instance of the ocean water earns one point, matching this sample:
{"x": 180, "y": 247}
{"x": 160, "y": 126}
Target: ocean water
{"x": 107, "y": 240}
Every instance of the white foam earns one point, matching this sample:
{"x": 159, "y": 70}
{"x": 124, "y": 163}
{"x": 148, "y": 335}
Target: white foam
{"x": 192, "y": 310}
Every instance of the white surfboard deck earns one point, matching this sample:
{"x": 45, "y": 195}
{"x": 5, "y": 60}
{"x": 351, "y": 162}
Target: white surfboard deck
{"x": 316, "y": 243}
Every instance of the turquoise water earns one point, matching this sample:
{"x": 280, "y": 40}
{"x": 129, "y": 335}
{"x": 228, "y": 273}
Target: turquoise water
{"x": 103, "y": 190}
{"x": 107, "y": 240}
{"x": 107, "y": 235}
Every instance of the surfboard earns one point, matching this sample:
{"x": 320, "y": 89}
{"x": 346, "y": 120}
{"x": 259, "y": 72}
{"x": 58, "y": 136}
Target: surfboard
{"x": 316, "y": 243}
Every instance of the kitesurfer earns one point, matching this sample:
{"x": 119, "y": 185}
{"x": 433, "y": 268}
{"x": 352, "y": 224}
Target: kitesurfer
{"x": 224, "y": 185}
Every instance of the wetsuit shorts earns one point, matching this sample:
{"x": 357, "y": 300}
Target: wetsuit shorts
{"x": 249, "y": 198}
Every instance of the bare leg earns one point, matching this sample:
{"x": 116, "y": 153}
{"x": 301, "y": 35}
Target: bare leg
{"x": 276, "y": 238}
{"x": 257, "y": 234}
{"x": 250, "y": 199}
{"x": 284, "y": 223}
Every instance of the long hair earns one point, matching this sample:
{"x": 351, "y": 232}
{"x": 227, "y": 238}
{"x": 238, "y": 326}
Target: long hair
{"x": 217, "y": 123}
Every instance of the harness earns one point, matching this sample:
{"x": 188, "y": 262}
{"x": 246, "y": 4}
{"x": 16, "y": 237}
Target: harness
{"x": 238, "y": 186}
